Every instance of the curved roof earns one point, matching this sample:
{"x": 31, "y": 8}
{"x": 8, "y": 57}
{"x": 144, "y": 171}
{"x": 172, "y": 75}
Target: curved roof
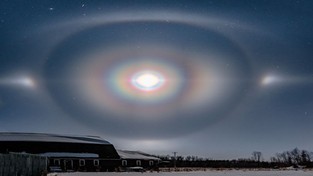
{"x": 41, "y": 137}
{"x": 125, "y": 154}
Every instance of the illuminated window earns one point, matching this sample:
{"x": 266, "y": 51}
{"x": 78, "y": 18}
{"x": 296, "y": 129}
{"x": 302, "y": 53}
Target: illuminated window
{"x": 57, "y": 162}
{"x": 138, "y": 163}
{"x": 124, "y": 163}
{"x": 71, "y": 163}
{"x": 96, "y": 162}
{"x": 151, "y": 163}
{"x": 82, "y": 162}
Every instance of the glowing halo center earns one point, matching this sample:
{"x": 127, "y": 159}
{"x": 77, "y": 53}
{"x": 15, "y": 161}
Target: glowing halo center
{"x": 147, "y": 80}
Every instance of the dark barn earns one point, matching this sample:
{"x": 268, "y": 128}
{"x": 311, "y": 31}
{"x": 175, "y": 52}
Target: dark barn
{"x": 137, "y": 161}
{"x": 65, "y": 153}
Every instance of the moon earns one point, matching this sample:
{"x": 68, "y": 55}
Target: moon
{"x": 147, "y": 80}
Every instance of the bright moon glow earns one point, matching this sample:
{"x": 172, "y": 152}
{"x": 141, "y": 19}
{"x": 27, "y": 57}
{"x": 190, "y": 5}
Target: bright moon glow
{"x": 147, "y": 81}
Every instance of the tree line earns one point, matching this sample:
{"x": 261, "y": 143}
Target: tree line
{"x": 294, "y": 158}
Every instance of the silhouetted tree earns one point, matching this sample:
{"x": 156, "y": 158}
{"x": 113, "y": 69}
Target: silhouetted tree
{"x": 256, "y": 156}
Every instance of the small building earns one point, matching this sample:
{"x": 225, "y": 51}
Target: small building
{"x": 137, "y": 161}
{"x": 64, "y": 152}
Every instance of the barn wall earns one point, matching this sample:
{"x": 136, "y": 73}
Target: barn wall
{"x": 22, "y": 164}
{"x": 106, "y": 151}
{"x": 105, "y": 165}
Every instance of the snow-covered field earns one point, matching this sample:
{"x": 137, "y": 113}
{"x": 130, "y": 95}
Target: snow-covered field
{"x": 204, "y": 173}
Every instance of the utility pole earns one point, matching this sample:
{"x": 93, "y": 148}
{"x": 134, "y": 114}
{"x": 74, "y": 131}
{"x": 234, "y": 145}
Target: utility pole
{"x": 175, "y": 160}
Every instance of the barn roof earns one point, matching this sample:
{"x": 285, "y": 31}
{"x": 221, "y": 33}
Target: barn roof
{"x": 70, "y": 154}
{"x": 125, "y": 154}
{"x": 41, "y": 137}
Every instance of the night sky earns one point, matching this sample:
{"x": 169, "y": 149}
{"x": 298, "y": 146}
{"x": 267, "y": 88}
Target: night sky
{"x": 217, "y": 79}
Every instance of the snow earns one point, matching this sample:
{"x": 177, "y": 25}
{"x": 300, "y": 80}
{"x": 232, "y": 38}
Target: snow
{"x": 203, "y": 173}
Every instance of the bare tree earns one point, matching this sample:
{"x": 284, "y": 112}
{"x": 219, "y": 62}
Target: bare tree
{"x": 274, "y": 159}
{"x": 256, "y": 156}
{"x": 296, "y": 156}
{"x": 305, "y": 157}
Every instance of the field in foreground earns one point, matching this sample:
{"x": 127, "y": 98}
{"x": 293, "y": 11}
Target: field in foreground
{"x": 204, "y": 173}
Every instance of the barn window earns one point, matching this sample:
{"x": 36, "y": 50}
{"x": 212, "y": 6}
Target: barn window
{"x": 124, "y": 162}
{"x": 151, "y": 163}
{"x": 57, "y": 162}
{"x": 29, "y": 161}
{"x": 96, "y": 162}
{"x": 71, "y": 163}
{"x": 138, "y": 163}
{"x": 82, "y": 162}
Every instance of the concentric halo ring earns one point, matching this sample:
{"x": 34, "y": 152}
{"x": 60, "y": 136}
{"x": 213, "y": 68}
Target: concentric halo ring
{"x": 147, "y": 78}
